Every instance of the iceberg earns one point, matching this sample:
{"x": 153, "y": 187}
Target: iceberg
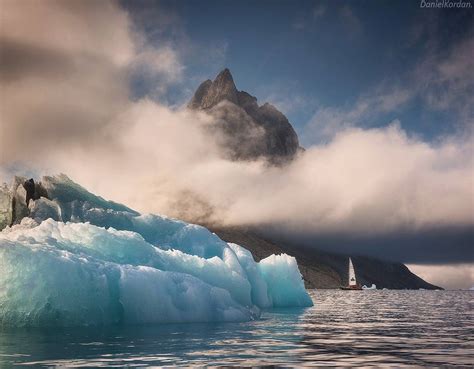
{"x": 73, "y": 259}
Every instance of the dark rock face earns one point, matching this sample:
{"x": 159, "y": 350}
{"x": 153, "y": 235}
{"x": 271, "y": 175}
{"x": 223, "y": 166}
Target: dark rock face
{"x": 245, "y": 130}
{"x": 19, "y": 200}
{"x": 60, "y": 199}
{"x": 322, "y": 269}
{"x": 29, "y": 187}
{"x": 6, "y": 206}
{"x": 211, "y": 93}
{"x": 33, "y": 190}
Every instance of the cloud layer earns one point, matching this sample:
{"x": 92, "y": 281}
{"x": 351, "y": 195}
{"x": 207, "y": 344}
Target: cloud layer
{"x": 66, "y": 107}
{"x": 447, "y": 276}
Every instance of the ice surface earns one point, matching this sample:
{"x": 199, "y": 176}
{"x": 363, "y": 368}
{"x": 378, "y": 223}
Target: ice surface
{"x": 93, "y": 262}
{"x": 284, "y": 281}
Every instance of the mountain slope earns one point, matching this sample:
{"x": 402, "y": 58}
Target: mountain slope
{"x": 326, "y": 270}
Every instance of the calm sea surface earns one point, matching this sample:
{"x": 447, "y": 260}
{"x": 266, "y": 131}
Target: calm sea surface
{"x": 343, "y": 328}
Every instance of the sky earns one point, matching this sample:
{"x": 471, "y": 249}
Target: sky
{"x": 328, "y": 64}
{"x": 380, "y": 93}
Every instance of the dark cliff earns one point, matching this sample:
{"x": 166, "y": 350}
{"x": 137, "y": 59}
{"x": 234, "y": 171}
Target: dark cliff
{"x": 327, "y": 270}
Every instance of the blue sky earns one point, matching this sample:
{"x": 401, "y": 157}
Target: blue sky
{"x": 326, "y": 64}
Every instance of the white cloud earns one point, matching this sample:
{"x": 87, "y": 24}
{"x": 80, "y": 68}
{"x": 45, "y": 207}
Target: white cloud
{"x": 363, "y": 182}
{"x": 285, "y": 100}
{"x": 162, "y": 62}
{"x": 158, "y": 68}
{"x": 447, "y": 82}
{"x": 328, "y": 121}
{"x": 450, "y": 276}
{"x": 73, "y": 27}
{"x": 65, "y": 73}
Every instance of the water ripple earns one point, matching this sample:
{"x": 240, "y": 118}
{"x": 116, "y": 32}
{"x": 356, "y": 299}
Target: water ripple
{"x": 344, "y": 328}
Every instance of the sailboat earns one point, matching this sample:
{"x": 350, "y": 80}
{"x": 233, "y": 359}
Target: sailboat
{"x": 353, "y": 285}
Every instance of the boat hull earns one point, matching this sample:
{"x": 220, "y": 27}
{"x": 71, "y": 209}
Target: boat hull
{"x": 354, "y": 288}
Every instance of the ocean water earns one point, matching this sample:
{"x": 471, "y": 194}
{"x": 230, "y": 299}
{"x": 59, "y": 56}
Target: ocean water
{"x": 396, "y": 328}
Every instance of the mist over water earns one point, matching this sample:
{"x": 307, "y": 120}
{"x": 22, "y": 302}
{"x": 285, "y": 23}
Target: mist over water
{"x": 399, "y": 328}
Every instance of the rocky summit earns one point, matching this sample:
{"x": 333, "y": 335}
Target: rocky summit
{"x": 244, "y": 129}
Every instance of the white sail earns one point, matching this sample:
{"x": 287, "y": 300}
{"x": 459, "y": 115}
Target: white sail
{"x": 352, "y": 276}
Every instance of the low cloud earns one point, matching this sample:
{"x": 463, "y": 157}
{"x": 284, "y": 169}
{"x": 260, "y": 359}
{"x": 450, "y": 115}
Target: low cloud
{"x": 329, "y": 121}
{"x": 162, "y": 62}
{"x": 456, "y": 276}
{"x": 363, "y": 182}
{"x": 65, "y": 71}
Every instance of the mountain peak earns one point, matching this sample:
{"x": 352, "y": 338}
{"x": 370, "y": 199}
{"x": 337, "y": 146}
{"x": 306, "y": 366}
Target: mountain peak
{"x": 251, "y": 131}
{"x": 225, "y": 76}
{"x": 211, "y": 93}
